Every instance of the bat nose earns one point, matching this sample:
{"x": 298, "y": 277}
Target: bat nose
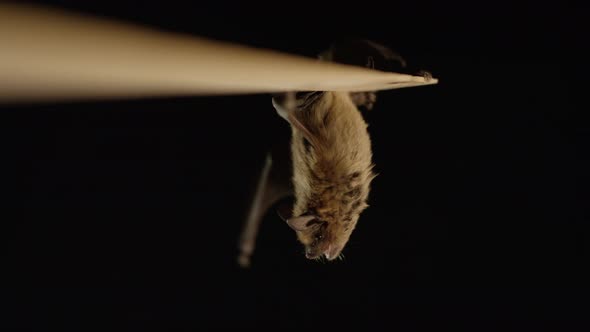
{"x": 310, "y": 254}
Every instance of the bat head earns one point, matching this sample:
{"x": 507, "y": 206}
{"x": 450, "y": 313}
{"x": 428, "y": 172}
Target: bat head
{"x": 320, "y": 238}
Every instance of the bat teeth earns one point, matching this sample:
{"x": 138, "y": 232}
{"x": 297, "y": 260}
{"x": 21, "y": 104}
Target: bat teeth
{"x": 327, "y": 252}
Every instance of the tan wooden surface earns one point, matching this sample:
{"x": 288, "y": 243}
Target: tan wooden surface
{"x": 49, "y": 54}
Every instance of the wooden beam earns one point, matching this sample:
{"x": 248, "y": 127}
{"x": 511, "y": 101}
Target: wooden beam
{"x": 49, "y": 54}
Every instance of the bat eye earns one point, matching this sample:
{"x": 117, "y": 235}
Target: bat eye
{"x": 318, "y": 237}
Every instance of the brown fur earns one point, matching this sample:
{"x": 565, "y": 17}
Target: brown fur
{"x": 331, "y": 174}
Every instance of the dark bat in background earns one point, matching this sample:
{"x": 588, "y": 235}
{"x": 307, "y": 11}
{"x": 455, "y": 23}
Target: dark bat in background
{"x": 321, "y": 186}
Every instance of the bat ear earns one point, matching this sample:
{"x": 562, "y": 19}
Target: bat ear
{"x": 300, "y": 223}
{"x": 285, "y": 210}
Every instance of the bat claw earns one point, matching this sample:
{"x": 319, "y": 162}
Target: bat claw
{"x": 370, "y": 62}
{"x": 426, "y": 74}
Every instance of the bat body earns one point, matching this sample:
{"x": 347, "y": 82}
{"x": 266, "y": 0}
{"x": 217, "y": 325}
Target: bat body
{"x": 330, "y": 163}
{"x": 322, "y": 180}
{"x": 332, "y": 169}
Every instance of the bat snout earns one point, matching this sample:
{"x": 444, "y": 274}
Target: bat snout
{"x": 332, "y": 252}
{"x": 312, "y": 254}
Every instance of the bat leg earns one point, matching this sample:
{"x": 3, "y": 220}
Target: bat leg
{"x": 284, "y": 104}
{"x": 365, "y": 99}
{"x": 364, "y": 53}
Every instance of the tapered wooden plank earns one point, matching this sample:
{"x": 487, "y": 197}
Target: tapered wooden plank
{"x": 50, "y": 54}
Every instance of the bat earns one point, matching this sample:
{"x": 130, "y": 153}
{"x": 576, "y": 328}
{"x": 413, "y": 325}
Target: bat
{"x": 331, "y": 167}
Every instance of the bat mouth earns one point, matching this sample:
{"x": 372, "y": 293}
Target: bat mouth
{"x": 321, "y": 256}
{"x": 328, "y": 254}
{"x": 312, "y": 256}
{"x": 331, "y": 253}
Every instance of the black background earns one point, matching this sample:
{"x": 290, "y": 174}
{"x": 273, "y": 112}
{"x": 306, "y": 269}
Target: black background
{"x": 126, "y": 214}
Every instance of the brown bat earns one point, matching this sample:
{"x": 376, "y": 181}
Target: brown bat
{"x": 328, "y": 172}
{"x": 330, "y": 169}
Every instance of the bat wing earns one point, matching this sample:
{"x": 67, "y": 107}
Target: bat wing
{"x": 274, "y": 185}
